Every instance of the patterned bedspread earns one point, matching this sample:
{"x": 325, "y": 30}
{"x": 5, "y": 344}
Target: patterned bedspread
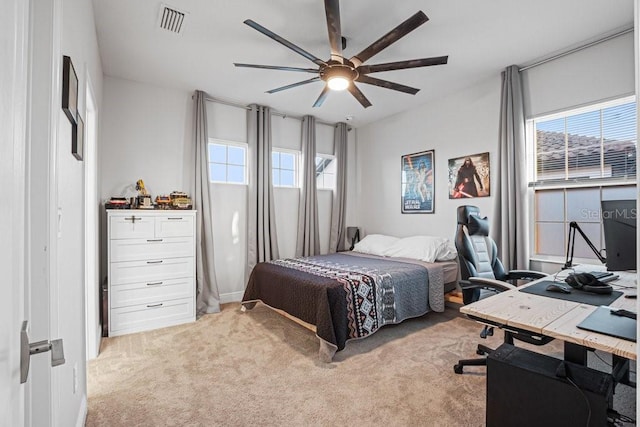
{"x": 347, "y": 296}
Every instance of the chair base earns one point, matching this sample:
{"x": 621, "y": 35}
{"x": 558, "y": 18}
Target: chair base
{"x": 481, "y": 350}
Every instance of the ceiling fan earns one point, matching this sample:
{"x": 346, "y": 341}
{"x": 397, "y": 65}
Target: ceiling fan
{"x": 340, "y": 73}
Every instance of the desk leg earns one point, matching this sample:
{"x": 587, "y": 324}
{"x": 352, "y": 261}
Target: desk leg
{"x": 575, "y": 353}
{"x": 621, "y": 371}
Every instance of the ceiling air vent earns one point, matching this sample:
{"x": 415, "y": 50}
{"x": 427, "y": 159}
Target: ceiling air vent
{"x": 171, "y": 19}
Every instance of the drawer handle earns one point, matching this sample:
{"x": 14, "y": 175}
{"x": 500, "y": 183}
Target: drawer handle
{"x": 133, "y": 219}
{"x": 154, "y": 240}
{"x": 154, "y": 284}
{"x": 154, "y": 262}
{"x": 175, "y": 217}
{"x": 154, "y": 305}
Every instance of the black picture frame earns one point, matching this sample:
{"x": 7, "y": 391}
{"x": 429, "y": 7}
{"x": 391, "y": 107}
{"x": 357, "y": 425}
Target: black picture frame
{"x": 418, "y": 183}
{"x": 470, "y": 176}
{"x": 77, "y": 139}
{"x": 69, "y": 89}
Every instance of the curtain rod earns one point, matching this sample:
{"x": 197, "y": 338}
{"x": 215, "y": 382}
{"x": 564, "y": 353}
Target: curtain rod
{"x": 273, "y": 112}
{"x": 577, "y": 49}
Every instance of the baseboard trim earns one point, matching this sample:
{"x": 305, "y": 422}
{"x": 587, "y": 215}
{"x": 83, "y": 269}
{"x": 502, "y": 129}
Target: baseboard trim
{"x": 231, "y": 297}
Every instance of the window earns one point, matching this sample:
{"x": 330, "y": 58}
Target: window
{"x": 227, "y": 162}
{"x": 284, "y": 167}
{"x": 579, "y": 158}
{"x": 325, "y": 172}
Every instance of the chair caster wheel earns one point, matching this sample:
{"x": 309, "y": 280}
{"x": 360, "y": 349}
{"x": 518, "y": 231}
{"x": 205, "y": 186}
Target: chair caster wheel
{"x": 457, "y": 369}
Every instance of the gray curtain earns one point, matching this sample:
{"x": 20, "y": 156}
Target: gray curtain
{"x": 308, "y": 235}
{"x": 511, "y": 222}
{"x": 339, "y": 207}
{"x": 262, "y": 244}
{"x": 207, "y": 294}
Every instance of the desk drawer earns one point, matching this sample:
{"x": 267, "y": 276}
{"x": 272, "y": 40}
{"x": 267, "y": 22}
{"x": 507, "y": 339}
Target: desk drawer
{"x": 151, "y": 270}
{"x": 151, "y": 292}
{"x": 155, "y": 248}
{"x": 174, "y": 225}
{"x": 151, "y": 316}
{"x": 131, "y": 227}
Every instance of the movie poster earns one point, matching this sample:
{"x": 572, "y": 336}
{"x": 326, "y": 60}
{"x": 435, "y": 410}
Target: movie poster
{"x": 469, "y": 176}
{"x": 417, "y": 182}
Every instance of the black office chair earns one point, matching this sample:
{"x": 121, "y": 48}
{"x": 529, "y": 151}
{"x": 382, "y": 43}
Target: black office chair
{"x": 483, "y": 274}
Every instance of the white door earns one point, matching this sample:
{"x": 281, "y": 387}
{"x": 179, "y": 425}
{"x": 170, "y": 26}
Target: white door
{"x": 29, "y": 52}
{"x": 13, "y": 95}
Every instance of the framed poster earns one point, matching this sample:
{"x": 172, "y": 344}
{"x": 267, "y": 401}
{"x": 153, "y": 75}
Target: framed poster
{"x": 417, "y": 182}
{"x": 69, "y": 89}
{"x": 469, "y": 176}
{"x": 77, "y": 140}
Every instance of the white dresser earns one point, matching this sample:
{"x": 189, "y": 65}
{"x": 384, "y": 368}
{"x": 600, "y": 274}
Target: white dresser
{"x": 151, "y": 269}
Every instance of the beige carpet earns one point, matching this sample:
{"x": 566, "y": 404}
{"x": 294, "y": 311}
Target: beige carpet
{"x": 259, "y": 368}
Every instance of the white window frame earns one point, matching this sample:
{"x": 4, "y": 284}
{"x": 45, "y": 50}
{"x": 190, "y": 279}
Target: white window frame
{"x": 333, "y": 159}
{"x": 296, "y": 166}
{"x": 242, "y": 145}
{"x": 568, "y": 184}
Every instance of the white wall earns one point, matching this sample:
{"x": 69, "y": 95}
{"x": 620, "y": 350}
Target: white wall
{"x": 78, "y": 40}
{"x": 144, "y": 134}
{"x": 467, "y": 123}
{"x": 464, "y": 123}
{"x": 147, "y": 134}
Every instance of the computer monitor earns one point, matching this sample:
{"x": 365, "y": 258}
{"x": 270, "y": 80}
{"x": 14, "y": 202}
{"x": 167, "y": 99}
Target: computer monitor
{"x": 619, "y": 221}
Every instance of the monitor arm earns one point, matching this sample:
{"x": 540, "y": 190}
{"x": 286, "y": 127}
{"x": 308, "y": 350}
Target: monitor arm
{"x": 573, "y": 227}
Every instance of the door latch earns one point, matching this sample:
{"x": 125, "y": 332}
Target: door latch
{"x": 27, "y": 349}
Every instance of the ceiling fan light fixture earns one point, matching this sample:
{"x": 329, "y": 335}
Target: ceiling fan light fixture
{"x": 338, "y": 76}
{"x": 338, "y": 83}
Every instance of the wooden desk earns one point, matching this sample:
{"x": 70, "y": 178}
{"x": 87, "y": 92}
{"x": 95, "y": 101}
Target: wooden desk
{"x": 522, "y": 312}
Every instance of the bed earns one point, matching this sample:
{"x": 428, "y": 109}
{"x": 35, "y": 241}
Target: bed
{"x": 350, "y": 295}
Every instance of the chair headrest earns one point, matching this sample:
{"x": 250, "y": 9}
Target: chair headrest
{"x": 465, "y": 211}
{"x": 478, "y": 226}
{"x": 470, "y": 217}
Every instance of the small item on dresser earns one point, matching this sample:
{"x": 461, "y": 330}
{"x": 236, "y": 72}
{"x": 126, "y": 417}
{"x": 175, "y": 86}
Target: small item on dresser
{"x": 180, "y": 200}
{"x": 163, "y": 202}
{"x": 117, "y": 203}
{"x": 144, "y": 198}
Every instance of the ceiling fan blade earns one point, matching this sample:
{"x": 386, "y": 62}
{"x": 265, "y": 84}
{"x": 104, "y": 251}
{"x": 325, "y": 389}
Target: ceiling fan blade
{"x": 392, "y": 36}
{"x": 332, "y": 10}
{"x": 284, "y": 42}
{"x": 277, "y": 67}
{"x": 322, "y": 97}
{"x": 358, "y": 95}
{"x": 292, "y": 85}
{"x": 401, "y": 65}
{"x": 387, "y": 84}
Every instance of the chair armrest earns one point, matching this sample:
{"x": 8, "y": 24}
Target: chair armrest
{"x": 525, "y": 274}
{"x": 498, "y": 285}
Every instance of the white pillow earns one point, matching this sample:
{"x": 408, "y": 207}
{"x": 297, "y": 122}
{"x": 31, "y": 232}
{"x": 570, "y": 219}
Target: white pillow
{"x": 423, "y": 248}
{"x": 447, "y": 252}
{"x": 375, "y": 244}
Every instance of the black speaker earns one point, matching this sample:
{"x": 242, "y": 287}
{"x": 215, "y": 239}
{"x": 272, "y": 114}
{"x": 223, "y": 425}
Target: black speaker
{"x": 531, "y": 389}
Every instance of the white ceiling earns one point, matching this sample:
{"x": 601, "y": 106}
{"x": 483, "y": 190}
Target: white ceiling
{"x": 481, "y": 37}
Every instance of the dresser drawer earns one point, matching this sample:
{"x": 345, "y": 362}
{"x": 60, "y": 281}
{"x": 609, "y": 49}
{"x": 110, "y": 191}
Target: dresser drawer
{"x": 156, "y": 248}
{"x": 151, "y": 292}
{"x": 151, "y": 316}
{"x": 131, "y": 227}
{"x": 151, "y": 270}
{"x": 174, "y": 225}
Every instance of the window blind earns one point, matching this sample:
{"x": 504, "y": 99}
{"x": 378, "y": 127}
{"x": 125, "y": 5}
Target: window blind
{"x": 586, "y": 145}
